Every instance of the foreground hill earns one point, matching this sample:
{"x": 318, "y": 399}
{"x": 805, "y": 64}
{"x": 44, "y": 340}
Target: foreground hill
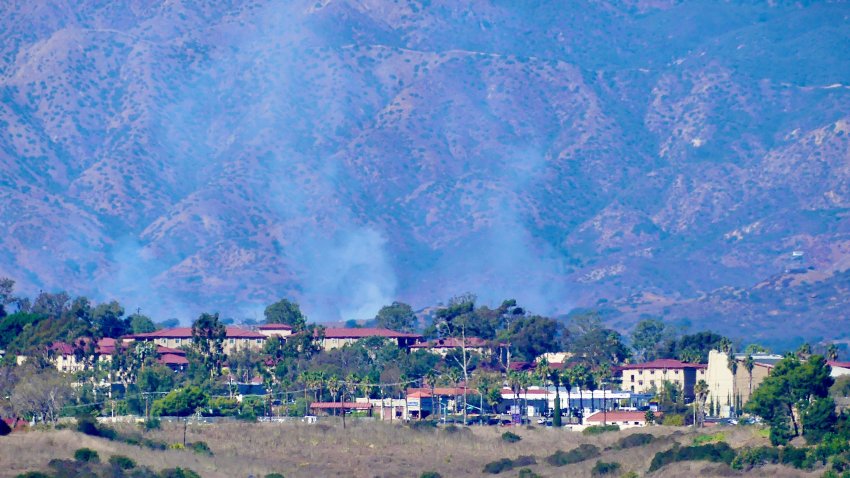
{"x": 678, "y": 158}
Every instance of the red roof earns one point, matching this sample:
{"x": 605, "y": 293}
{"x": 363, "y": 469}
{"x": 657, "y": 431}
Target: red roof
{"x": 62, "y": 348}
{"x": 661, "y": 364}
{"x": 186, "y": 333}
{"x": 618, "y": 416}
{"x": 419, "y": 394}
{"x": 833, "y": 363}
{"x": 275, "y": 327}
{"x": 172, "y": 359}
{"x": 362, "y": 333}
{"x": 160, "y": 349}
{"x": 441, "y": 391}
{"x": 450, "y": 343}
{"x": 334, "y": 405}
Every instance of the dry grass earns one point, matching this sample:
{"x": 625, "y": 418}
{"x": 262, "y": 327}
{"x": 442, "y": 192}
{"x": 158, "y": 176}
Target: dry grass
{"x": 364, "y": 449}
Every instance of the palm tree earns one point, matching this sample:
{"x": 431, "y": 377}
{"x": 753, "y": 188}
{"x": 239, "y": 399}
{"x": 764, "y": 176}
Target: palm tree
{"x": 542, "y": 372}
{"x": 701, "y": 392}
{"x": 514, "y": 382}
{"x": 432, "y": 376}
{"x": 306, "y": 378}
{"x": 566, "y": 379}
{"x": 602, "y": 375}
{"x": 725, "y": 345}
{"x": 832, "y": 353}
{"x": 555, "y": 378}
{"x": 732, "y": 363}
{"x": 580, "y": 379}
{"x": 334, "y": 386}
{"x": 749, "y": 365}
{"x": 524, "y": 382}
{"x": 454, "y": 377}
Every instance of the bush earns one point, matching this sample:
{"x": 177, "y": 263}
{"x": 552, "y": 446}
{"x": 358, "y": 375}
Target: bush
{"x": 506, "y": 464}
{"x": 88, "y": 425}
{"x": 673, "y": 420}
{"x": 602, "y": 468}
{"x": 5, "y": 429}
{"x": 599, "y": 429}
{"x": 274, "y": 475}
{"x": 498, "y": 466}
{"x": 86, "y": 455}
{"x": 576, "y": 455}
{"x": 422, "y": 425}
{"x": 629, "y": 474}
{"x": 430, "y": 474}
{"x": 511, "y": 437}
{"x": 152, "y": 424}
{"x": 527, "y": 473}
{"x": 749, "y": 458}
{"x": 715, "y": 452}
{"x": 200, "y": 448}
{"x": 33, "y": 474}
{"x": 635, "y": 440}
{"x": 122, "y": 462}
{"x": 795, "y": 457}
{"x": 178, "y": 473}
{"x": 702, "y": 439}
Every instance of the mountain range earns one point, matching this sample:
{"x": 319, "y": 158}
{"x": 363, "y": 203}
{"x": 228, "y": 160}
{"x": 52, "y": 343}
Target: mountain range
{"x": 679, "y": 159}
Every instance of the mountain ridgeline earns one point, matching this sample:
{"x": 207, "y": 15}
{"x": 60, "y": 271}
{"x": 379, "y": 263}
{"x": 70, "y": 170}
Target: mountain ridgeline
{"x": 681, "y": 159}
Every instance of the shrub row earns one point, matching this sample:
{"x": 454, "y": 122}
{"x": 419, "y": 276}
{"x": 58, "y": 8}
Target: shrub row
{"x": 506, "y": 464}
{"x": 599, "y": 429}
{"x": 576, "y": 455}
{"x": 634, "y": 440}
{"x": 715, "y": 452}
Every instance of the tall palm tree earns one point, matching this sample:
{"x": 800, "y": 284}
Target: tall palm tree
{"x": 580, "y": 379}
{"x": 566, "y": 379}
{"x": 306, "y": 378}
{"x": 541, "y": 371}
{"x": 701, "y": 393}
{"x": 555, "y": 378}
{"x": 524, "y": 382}
{"x": 749, "y": 365}
{"x": 732, "y": 363}
{"x": 514, "y": 382}
{"x": 832, "y": 353}
{"x": 334, "y": 386}
{"x": 432, "y": 376}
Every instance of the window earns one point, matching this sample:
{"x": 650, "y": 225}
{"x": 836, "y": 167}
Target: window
{"x": 640, "y": 382}
{"x": 640, "y": 372}
{"x": 677, "y": 372}
{"x": 637, "y": 423}
{"x": 633, "y": 377}
{"x": 652, "y": 372}
{"x": 232, "y": 341}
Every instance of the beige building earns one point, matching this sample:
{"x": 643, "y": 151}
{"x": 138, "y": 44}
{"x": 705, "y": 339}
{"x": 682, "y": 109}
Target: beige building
{"x": 442, "y": 347}
{"x": 337, "y": 337}
{"x": 728, "y": 393}
{"x": 652, "y": 376}
{"x": 236, "y": 338}
{"x": 275, "y": 330}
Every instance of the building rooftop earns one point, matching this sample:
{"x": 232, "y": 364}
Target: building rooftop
{"x": 339, "y": 405}
{"x": 450, "y": 343}
{"x": 362, "y": 333}
{"x": 275, "y": 327}
{"x": 661, "y": 364}
{"x": 618, "y": 416}
{"x": 186, "y": 333}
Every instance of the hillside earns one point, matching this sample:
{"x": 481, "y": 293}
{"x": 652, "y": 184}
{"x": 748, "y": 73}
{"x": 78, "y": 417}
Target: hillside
{"x": 665, "y": 157}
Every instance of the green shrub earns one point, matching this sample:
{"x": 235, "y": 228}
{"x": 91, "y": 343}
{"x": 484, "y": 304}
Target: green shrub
{"x": 430, "y": 474}
{"x": 200, "y": 448}
{"x": 274, "y": 475}
{"x": 5, "y": 429}
{"x": 122, "y": 462}
{"x": 422, "y": 425}
{"x": 511, "y": 437}
{"x": 602, "y": 468}
{"x": 498, "y": 466}
{"x": 524, "y": 460}
{"x": 715, "y": 452}
{"x": 527, "y": 473}
{"x": 635, "y": 440}
{"x": 152, "y": 424}
{"x": 576, "y": 455}
{"x": 795, "y": 457}
{"x": 86, "y": 455}
{"x": 629, "y": 474}
{"x": 673, "y": 420}
{"x": 33, "y": 474}
{"x": 88, "y": 425}
{"x": 599, "y": 429}
{"x": 178, "y": 473}
{"x": 703, "y": 438}
{"x": 749, "y": 458}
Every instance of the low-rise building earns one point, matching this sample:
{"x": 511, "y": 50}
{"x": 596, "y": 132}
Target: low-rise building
{"x": 621, "y": 418}
{"x": 236, "y": 338}
{"x": 443, "y": 346}
{"x": 728, "y": 392}
{"x": 652, "y": 376}
{"x": 839, "y": 369}
{"x": 275, "y": 330}
{"x": 337, "y": 337}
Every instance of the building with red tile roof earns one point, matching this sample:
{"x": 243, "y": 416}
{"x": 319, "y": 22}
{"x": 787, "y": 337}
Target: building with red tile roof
{"x": 275, "y": 330}
{"x": 649, "y": 376}
{"x": 335, "y": 337}
{"x": 443, "y": 346}
{"x": 236, "y": 338}
{"x": 622, "y": 418}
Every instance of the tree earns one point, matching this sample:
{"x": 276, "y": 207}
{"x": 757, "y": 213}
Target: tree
{"x": 180, "y": 403}
{"x": 732, "y": 364}
{"x": 832, "y": 353}
{"x": 594, "y": 343}
{"x": 787, "y": 394}
{"x": 7, "y": 289}
{"x": 689, "y": 347}
{"x": 701, "y": 394}
{"x": 397, "y": 316}
{"x": 41, "y": 394}
{"x": 749, "y": 365}
{"x": 208, "y": 336}
{"x": 141, "y": 324}
{"x": 647, "y": 337}
{"x": 286, "y": 312}
{"x": 108, "y": 320}
{"x": 533, "y": 336}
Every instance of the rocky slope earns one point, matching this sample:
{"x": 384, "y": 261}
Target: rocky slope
{"x": 654, "y": 155}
